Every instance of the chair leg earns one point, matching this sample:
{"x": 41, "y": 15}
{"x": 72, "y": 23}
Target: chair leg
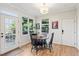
{"x": 31, "y": 48}
{"x": 50, "y": 46}
{"x": 50, "y": 50}
{"x": 44, "y": 45}
{"x": 36, "y": 50}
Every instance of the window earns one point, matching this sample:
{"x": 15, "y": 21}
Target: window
{"x": 45, "y": 25}
{"x": 24, "y": 25}
{"x": 31, "y": 26}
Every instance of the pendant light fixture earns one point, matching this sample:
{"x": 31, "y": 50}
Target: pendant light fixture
{"x": 43, "y": 8}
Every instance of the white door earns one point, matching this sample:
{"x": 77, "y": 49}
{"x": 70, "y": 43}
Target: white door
{"x": 8, "y": 33}
{"x": 68, "y": 32}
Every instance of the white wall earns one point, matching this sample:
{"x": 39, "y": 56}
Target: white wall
{"x": 59, "y": 17}
{"x": 77, "y": 12}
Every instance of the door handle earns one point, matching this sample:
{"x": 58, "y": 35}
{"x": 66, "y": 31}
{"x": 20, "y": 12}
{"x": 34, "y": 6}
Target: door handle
{"x": 1, "y": 34}
{"x": 62, "y": 31}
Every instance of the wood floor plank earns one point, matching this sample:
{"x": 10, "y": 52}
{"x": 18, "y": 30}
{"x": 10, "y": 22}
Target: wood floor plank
{"x": 58, "y": 50}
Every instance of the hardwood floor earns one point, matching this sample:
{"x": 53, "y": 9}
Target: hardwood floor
{"x": 58, "y": 50}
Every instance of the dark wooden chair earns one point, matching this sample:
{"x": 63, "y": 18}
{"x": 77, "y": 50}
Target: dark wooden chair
{"x": 33, "y": 41}
{"x": 36, "y": 43}
{"x": 50, "y": 42}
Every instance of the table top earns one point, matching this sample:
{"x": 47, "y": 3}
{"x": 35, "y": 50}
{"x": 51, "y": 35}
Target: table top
{"x": 44, "y": 38}
{"x": 41, "y": 37}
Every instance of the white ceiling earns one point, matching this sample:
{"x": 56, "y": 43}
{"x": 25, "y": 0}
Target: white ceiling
{"x": 31, "y": 9}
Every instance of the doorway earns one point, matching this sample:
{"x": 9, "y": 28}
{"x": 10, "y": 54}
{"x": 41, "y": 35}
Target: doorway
{"x": 8, "y": 33}
{"x": 68, "y": 32}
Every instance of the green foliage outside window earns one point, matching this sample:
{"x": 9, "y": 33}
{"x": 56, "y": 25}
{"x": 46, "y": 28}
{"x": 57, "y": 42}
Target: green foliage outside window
{"x": 24, "y": 25}
{"x": 31, "y": 26}
{"x": 45, "y": 25}
{"x": 12, "y": 27}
